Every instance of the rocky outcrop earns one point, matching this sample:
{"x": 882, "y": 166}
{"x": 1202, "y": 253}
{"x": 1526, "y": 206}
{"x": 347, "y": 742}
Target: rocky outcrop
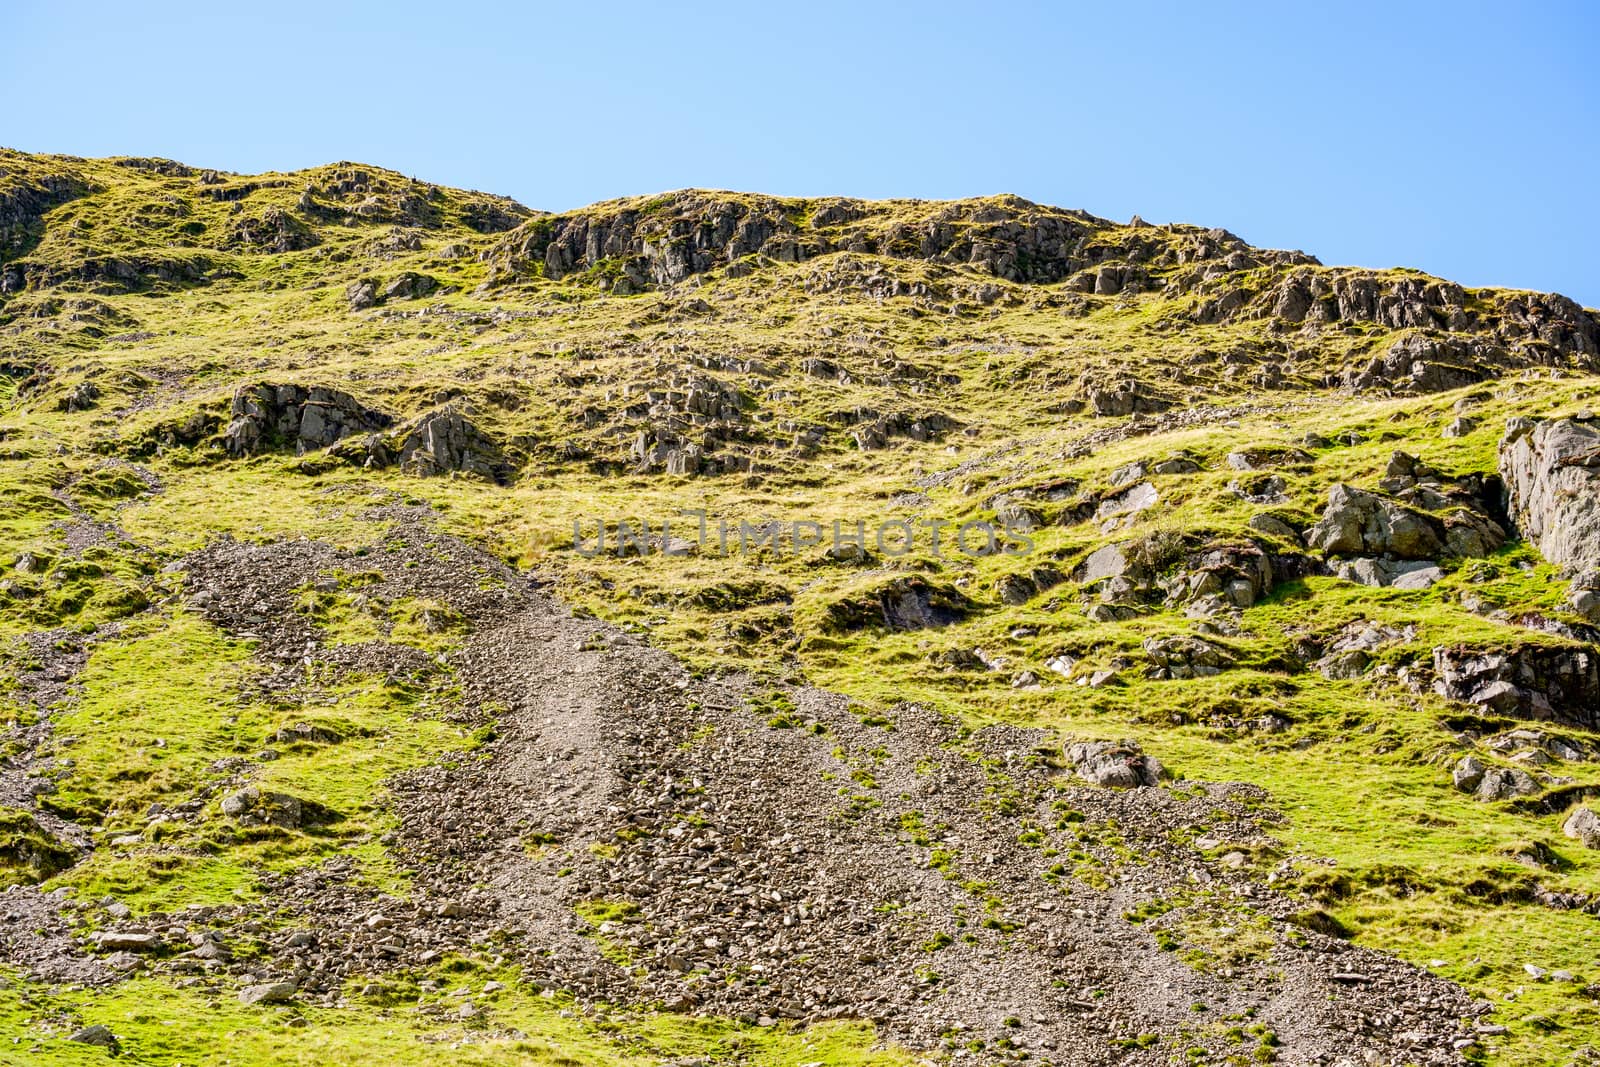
{"x": 297, "y": 418}
{"x": 127, "y": 273}
{"x": 1530, "y": 681}
{"x": 663, "y": 240}
{"x": 274, "y": 230}
{"x": 438, "y": 442}
{"x": 1551, "y": 471}
{"x": 1356, "y": 522}
{"x": 1419, "y": 363}
{"x": 1127, "y": 397}
{"x": 1460, "y": 336}
{"x": 910, "y": 603}
{"x": 24, "y": 199}
{"x": 446, "y": 441}
{"x": 1185, "y": 657}
{"x": 1119, "y": 764}
{"x": 1398, "y": 539}
{"x": 1222, "y": 577}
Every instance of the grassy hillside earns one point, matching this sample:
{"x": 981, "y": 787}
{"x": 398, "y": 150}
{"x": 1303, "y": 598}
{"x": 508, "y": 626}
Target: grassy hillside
{"x": 758, "y": 360}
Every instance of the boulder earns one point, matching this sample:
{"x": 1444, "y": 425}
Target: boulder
{"x": 127, "y": 941}
{"x": 267, "y": 993}
{"x": 1583, "y": 825}
{"x": 1503, "y": 783}
{"x": 1120, "y": 764}
{"x": 1551, "y": 471}
{"x": 1105, "y": 562}
{"x": 1467, "y": 774}
{"x": 361, "y": 294}
{"x": 256, "y": 807}
{"x": 98, "y": 1035}
{"x": 1356, "y": 522}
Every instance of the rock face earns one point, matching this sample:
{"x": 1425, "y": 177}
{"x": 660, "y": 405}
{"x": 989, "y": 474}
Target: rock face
{"x": 296, "y": 418}
{"x": 1530, "y": 681}
{"x": 1551, "y": 472}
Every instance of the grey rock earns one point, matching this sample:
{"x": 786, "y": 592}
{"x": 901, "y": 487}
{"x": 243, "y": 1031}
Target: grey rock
{"x": 1467, "y": 774}
{"x": 1120, "y": 764}
{"x": 1551, "y": 471}
{"x": 97, "y": 1035}
{"x": 296, "y": 418}
{"x": 256, "y": 807}
{"x": 126, "y": 941}
{"x": 361, "y": 294}
{"x": 1108, "y": 561}
{"x": 1505, "y": 783}
{"x": 1584, "y": 826}
{"x": 1356, "y": 522}
{"x": 268, "y": 993}
{"x": 445, "y": 441}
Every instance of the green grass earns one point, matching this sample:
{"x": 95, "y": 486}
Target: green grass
{"x": 156, "y": 1023}
{"x": 1381, "y": 843}
{"x": 175, "y": 691}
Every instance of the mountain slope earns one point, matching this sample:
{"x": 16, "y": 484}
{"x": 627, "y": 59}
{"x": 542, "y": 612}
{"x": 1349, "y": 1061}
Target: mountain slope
{"x": 298, "y": 470}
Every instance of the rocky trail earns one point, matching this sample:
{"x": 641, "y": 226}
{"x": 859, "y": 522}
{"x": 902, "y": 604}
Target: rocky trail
{"x": 636, "y": 835}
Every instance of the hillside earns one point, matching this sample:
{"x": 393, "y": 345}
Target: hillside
{"x": 718, "y": 628}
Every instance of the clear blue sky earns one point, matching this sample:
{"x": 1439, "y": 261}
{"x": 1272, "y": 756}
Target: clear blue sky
{"x": 1462, "y": 138}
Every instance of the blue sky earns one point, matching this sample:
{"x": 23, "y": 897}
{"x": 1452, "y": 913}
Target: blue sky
{"x": 1461, "y": 138}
